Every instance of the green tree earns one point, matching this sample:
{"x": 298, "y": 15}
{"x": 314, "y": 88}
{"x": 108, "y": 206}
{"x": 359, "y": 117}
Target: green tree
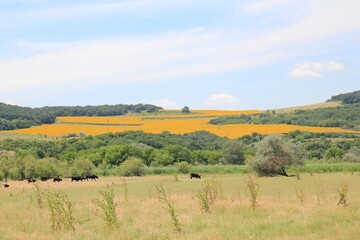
{"x": 162, "y": 158}
{"x": 274, "y": 154}
{"x": 183, "y": 167}
{"x": 81, "y": 167}
{"x": 7, "y": 162}
{"x": 185, "y": 109}
{"x": 132, "y": 167}
{"x": 233, "y": 152}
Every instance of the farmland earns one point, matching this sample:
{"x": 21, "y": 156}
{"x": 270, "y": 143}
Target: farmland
{"x": 173, "y": 121}
{"x": 281, "y": 213}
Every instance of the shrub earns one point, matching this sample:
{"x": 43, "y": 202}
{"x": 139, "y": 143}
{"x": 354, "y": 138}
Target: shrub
{"x": 132, "y": 167}
{"x": 183, "y": 167}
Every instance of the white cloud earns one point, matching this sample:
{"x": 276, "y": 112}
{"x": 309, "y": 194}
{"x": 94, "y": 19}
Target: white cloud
{"x": 172, "y": 55}
{"x": 309, "y": 70}
{"x": 164, "y": 103}
{"x": 223, "y": 100}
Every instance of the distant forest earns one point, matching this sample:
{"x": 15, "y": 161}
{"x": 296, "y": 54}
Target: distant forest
{"x": 345, "y": 116}
{"x": 15, "y": 117}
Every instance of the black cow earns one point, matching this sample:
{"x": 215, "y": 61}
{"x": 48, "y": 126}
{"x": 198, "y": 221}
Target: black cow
{"x": 194, "y": 175}
{"x": 57, "y": 179}
{"x": 6, "y": 185}
{"x": 44, "y": 178}
{"x": 77, "y": 179}
{"x": 92, "y": 177}
{"x": 31, "y": 180}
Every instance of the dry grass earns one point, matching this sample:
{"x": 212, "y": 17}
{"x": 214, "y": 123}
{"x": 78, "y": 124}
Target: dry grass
{"x": 309, "y": 107}
{"x": 278, "y": 214}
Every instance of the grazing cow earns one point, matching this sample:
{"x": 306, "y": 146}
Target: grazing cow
{"x": 6, "y": 185}
{"x": 77, "y": 179}
{"x": 44, "y": 178}
{"x": 57, "y": 179}
{"x": 92, "y": 177}
{"x": 31, "y": 180}
{"x": 194, "y": 175}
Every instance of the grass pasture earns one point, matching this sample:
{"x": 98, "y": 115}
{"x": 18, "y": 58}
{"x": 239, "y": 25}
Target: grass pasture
{"x": 278, "y": 215}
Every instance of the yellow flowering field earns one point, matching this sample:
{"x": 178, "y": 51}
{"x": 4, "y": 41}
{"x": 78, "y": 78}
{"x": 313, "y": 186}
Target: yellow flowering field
{"x": 173, "y": 122}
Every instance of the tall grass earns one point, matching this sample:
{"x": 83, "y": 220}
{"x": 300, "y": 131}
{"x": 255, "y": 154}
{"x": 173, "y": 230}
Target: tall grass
{"x": 278, "y": 216}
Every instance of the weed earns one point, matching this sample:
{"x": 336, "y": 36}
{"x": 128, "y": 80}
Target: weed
{"x": 61, "y": 210}
{"x": 299, "y": 192}
{"x": 176, "y": 176}
{"x": 253, "y": 191}
{"x": 343, "y": 194}
{"x": 126, "y": 192}
{"x": 40, "y": 202}
{"x": 204, "y": 200}
{"x": 107, "y": 207}
{"x": 169, "y": 206}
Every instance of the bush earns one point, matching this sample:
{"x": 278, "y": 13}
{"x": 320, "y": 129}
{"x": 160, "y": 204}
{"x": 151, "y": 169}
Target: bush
{"x": 132, "y": 167}
{"x": 183, "y": 167}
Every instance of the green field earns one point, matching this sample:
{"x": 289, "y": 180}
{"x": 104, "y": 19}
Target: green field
{"x": 278, "y": 215}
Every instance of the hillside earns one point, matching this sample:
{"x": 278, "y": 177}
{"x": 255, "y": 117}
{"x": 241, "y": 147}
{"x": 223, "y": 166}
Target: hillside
{"x": 330, "y": 114}
{"x": 16, "y": 117}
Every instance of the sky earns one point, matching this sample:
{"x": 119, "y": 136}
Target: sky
{"x": 205, "y": 54}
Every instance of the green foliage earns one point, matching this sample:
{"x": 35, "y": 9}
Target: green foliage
{"x": 185, "y": 109}
{"x": 132, "y": 167}
{"x": 233, "y": 152}
{"x": 81, "y": 167}
{"x": 162, "y": 158}
{"x": 183, "y": 167}
{"x": 347, "y": 116}
{"x": 15, "y": 117}
{"x": 107, "y": 207}
{"x": 347, "y": 98}
{"x": 274, "y": 154}
{"x": 61, "y": 210}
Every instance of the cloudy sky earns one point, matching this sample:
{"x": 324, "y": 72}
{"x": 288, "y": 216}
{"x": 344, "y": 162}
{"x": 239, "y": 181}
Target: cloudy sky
{"x": 206, "y": 54}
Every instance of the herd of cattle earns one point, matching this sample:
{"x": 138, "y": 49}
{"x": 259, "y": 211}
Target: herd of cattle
{"x": 58, "y": 179}
{"x": 78, "y": 178}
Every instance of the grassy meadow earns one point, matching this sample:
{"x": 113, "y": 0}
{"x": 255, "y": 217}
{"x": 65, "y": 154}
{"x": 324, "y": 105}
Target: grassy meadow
{"x": 303, "y": 207}
{"x": 173, "y": 121}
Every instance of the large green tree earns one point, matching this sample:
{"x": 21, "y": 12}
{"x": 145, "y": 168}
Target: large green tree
{"x": 274, "y": 153}
{"x": 233, "y": 152}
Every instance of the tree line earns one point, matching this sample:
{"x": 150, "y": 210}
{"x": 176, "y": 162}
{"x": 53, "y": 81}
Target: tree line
{"x": 107, "y": 152}
{"x": 16, "y": 117}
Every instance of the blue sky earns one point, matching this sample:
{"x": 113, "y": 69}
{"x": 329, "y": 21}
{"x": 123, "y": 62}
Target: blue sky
{"x": 206, "y": 54}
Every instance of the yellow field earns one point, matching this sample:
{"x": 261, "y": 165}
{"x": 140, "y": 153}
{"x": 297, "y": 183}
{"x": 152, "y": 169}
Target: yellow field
{"x": 175, "y": 122}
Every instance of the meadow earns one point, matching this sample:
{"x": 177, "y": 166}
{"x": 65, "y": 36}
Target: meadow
{"x": 173, "y": 121}
{"x": 303, "y": 207}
